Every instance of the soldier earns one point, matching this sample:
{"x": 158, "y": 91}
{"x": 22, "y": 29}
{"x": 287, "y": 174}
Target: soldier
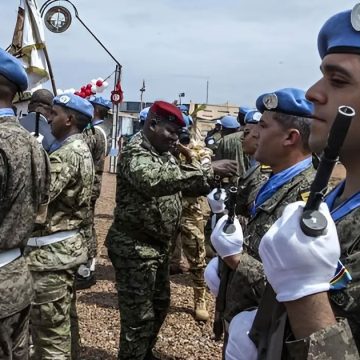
{"x": 192, "y": 238}
{"x": 146, "y": 221}
{"x": 306, "y": 320}
{"x": 40, "y": 102}
{"x": 283, "y": 145}
{"x": 250, "y": 182}
{"x": 213, "y": 137}
{"x": 58, "y": 248}
{"x": 23, "y": 189}
{"x": 97, "y": 141}
{"x": 230, "y": 145}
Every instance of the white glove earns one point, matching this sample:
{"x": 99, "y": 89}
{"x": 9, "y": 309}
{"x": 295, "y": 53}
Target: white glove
{"x": 297, "y": 265}
{"x": 211, "y": 276}
{"x": 217, "y": 206}
{"x": 38, "y": 138}
{"x": 227, "y": 244}
{"x": 240, "y": 346}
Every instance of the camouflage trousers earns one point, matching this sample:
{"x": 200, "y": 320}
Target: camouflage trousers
{"x": 50, "y": 314}
{"x": 14, "y": 336}
{"x": 191, "y": 242}
{"x": 144, "y": 297}
{"x": 90, "y": 232}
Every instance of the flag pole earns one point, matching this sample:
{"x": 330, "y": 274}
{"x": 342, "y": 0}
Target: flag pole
{"x": 52, "y": 79}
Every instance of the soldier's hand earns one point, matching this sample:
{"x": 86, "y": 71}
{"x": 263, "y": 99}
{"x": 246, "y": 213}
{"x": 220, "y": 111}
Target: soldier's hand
{"x": 185, "y": 151}
{"x": 224, "y": 168}
{"x": 297, "y": 265}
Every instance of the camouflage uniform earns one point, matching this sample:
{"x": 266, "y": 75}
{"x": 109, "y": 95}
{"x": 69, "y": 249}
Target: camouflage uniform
{"x": 192, "y": 230}
{"x": 339, "y": 341}
{"x": 53, "y": 265}
{"x": 97, "y": 143}
{"x": 212, "y": 140}
{"x": 230, "y": 147}
{"x": 23, "y": 188}
{"x": 247, "y": 283}
{"x": 146, "y": 220}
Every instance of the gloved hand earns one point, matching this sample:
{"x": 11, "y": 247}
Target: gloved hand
{"x": 227, "y": 244}
{"x": 217, "y": 206}
{"x": 297, "y": 265}
{"x": 38, "y": 138}
{"x": 211, "y": 276}
{"x": 240, "y": 346}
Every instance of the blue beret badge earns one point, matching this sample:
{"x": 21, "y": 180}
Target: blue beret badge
{"x": 355, "y": 17}
{"x": 64, "y": 99}
{"x": 270, "y": 101}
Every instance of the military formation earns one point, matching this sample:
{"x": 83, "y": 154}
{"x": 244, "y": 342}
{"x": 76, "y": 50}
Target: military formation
{"x": 281, "y": 292}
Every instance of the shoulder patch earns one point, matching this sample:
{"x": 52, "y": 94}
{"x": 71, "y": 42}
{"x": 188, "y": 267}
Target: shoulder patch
{"x": 305, "y": 195}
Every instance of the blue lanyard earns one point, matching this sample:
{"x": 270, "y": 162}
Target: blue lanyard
{"x": 276, "y": 181}
{"x": 97, "y": 122}
{"x": 6, "y": 112}
{"x": 346, "y": 207}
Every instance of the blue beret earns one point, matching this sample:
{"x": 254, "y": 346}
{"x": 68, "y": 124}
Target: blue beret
{"x": 75, "y": 102}
{"x": 229, "y": 122}
{"x": 188, "y": 119}
{"x": 338, "y": 34}
{"x": 143, "y": 114}
{"x": 183, "y": 108}
{"x": 244, "y": 109}
{"x": 252, "y": 117}
{"x": 13, "y": 70}
{"x": 101, "y": 101}
{"x": 288, "y": 101}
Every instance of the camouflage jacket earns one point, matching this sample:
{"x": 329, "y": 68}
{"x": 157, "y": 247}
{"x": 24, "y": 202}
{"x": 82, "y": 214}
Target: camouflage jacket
{"x": 148, "y": 195}
{"x": 246, "y": 285}
{"x": 248, "y": 186}
{"x": 97, "y": 143}
{"x": 230, "y": 147}
{"x": 24, "y": 181}
{"x": 338, "y": 341}
{"x": 72, "y": 175}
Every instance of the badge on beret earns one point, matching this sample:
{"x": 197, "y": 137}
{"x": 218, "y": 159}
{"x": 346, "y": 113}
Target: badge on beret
{"x": 270, "y": 101}
{"x": 355, "y": 17}
{"x": 257, "y": 116}
{"x": 64, "y": 99}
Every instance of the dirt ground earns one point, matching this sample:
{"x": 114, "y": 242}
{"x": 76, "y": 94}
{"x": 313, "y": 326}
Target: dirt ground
{"x": 180, "y": 338}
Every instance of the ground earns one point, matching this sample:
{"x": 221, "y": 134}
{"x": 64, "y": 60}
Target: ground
{"x": 181, "y": 337}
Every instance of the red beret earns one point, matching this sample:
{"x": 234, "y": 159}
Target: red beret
{"x": 168, "y": 111}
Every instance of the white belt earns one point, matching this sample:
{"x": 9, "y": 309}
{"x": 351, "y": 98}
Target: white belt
{"x": 8, "y": 256}
{"x": 51, "y": 239}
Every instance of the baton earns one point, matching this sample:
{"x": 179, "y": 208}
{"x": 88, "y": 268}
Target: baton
{"x": 229, "y": 227}
{"x": 312, "y": 222}
{"x": 37, "y": 121}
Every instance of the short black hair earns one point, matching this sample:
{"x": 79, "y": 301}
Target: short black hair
{"x": 82, "y": 121}
{"x": 302, "y": 124}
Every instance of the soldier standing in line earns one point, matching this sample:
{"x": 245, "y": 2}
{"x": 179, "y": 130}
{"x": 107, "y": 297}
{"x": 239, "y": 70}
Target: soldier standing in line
{"x": 97, "y": 141}
{"x": 283, "y": 145}
{"x": 146, "y": 221}
{"x": 191, "y": 238}
{"x": 59, "y": 247}
{"x": 310, "y": 313}
{"x": 23, "y": 189}
{"x": 40, "y": 102}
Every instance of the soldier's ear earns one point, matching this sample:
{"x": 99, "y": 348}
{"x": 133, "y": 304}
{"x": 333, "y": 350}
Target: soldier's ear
{"x": 153, "y": 124}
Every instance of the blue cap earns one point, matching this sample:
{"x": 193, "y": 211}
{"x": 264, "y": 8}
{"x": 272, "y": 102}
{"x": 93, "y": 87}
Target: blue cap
{"x": 244, "y": 110}
{"x": 338, "y": 34}
{"x": 98, "y": 100}
{"x": 252, "y": 117}
{"x": 13, "y": 70}
{"x": 229, "y": 122}
{"x": 183, "y": 108}
{"x": 188, "y": 119}
{"x": 143, "y": 114}
{"x": 76, "y": 103}
{"x": 288, "y": 101}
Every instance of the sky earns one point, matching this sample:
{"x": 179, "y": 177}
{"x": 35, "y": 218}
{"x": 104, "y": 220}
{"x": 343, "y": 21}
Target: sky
{"x": 242, "y": 48}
